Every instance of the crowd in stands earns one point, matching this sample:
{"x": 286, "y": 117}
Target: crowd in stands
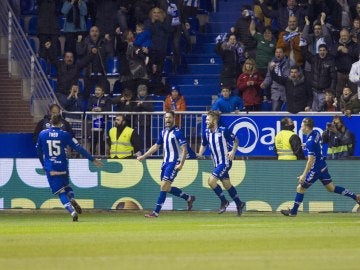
{"x": 293, "y": 54}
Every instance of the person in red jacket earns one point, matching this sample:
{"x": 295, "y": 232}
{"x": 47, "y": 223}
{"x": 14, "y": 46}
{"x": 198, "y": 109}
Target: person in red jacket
{"x": 175, "y": 101}
{"x": 248, "y": 84}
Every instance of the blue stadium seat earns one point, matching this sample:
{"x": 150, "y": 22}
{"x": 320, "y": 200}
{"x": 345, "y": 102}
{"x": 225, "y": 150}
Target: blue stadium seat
{"x": 32, "y": 27}
{"x": 43, "y": 64}
{"x": 81, "y": 86}
{"x": 28, "y": 7}
{"x": 53, "y": 84}
{"x": 194, "y": 25}
{"x": 117, "y": 88}
{"x": 112, "y": 66}
{"x": 61, "y": 23}
{"x": 88, "y": 23}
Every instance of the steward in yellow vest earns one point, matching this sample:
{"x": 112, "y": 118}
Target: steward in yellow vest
{"x": 124, "y": 142}
{"x": 287, "y": 143}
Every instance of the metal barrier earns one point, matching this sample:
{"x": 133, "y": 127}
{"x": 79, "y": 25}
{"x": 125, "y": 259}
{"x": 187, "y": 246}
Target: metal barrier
{"x": 23, "y": 63}
{"x": 92, "y": 128}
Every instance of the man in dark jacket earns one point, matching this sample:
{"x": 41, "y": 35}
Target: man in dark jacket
{"x": 298, "y": 95}
{"x": 322, "y": 76}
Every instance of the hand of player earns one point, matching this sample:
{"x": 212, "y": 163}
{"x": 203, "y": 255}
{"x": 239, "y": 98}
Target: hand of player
{"x": 231, "y": 155}
{"x": 97, "y": 162}
{"x": 140, "y": 158}
{"x": 178, "y": 167}
{"x": 301, "y": 179}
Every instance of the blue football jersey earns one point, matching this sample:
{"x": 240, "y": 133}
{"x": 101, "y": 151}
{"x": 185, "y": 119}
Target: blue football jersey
{"x": 313, "y": 146}
{"x": 219, "y": 143}
{"x": 171, "y": 140}
{"x": 51, "y": 147}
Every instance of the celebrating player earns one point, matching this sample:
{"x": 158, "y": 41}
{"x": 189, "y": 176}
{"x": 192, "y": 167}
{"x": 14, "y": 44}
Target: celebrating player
{"x": 175, "y": 150}
{"x": 51, "y": 147}
{"x": 218, "y": 139}
{"x": 316, "y": 168}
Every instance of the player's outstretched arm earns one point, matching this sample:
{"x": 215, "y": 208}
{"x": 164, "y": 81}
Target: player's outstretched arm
{"x": 149, "y": 152}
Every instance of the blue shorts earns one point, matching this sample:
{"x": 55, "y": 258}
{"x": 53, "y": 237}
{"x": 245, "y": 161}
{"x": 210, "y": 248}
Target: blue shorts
{"x": 221, "y": 172}
{"x": 168, "y": 172}
{"x": 312, "y": 176}
{"x": 57, "y": 182}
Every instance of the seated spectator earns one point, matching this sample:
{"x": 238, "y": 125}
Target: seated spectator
{"x": 349, "y": 102}
{"x": 330, "y": 104}
{"x": 277, "y": 91}
{"x": 289, "y": 40}
{"x": 45, "y": 123}
{"x": 175, "y": 101}
{"x": 74, "y": 102}
{"x": 75, "y": 22}
{"x": 99, "y": 102}
{"x": 125, "y": 102}
{"x": 298, "y": 95}
{"x": 123, "y": 140}
{"x": 341, "y": 142}
{"x": 227, "y": 103}
{"x": 265, "y": 48}
{"x": 248, "y": 84}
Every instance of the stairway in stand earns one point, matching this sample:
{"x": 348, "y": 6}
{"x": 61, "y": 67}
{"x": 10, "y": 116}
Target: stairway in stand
{"x": 198, "y": 78}
{"x": 15, "y": 114}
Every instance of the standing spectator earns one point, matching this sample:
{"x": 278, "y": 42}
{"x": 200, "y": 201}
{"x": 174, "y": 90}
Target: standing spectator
{"x": 341, "y": 142}
{"x": 175, "y": 150}
{"x": 287, "y": 143}
{"x": 123, "y": 140}
{"x": 349, "y": 102}
{"x": 143, "y": 40}
{"x": 298, "y": 95}
{"x": 241, "y": 30}
{"x": 75, "y": 22}
{"x": 315, "y": 168}
{"x": 248, "y": 84}
{"x": 45, "y": 123}
{"x": 346, "y": 53}
{"x": 282, "y": 68}
{"x": 125, "y": 102}
{"x": 99, "y": 102}
{"x": 330, "y": 104}
{"x": 322, "y": 76}
{"x": 175, "y": 101}
{"x": 340, "y": 16}
{"x": 107, "y": 17}
{"x": 227, "y": 103}
{"x": 354, "y": 75}
{"x": 218, "y": 139}
{"x": 95, "y": 72}
{"x": 265, "y": 48}
{"x": 289, "y": 40}
{"x": 231, "y": 53}
{"x": 355, "y": 30}
{"x": 51, "y": 147}
{"x": 48, "y": 26}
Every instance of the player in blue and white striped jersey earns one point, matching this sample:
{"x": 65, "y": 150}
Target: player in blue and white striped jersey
{"x": 316, "y": 168}
{"x": 174, "y": 150}
{"x": 218, "y": 139}
{"x": 51, "y": 146}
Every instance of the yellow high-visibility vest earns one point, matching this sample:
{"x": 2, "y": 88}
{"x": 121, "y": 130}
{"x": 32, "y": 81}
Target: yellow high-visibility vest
{"x": 121, "y": 147}
{"x": 283, "y": 146}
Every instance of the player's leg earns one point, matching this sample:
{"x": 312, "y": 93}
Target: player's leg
{"x": 234, "y": 195}
{"x": 212, "y": 182}
{"x": 342, "y": 191}
{"x": 70, "y": 193}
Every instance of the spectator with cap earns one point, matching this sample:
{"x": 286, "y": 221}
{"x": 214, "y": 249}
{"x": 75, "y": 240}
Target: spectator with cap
{"x": 175, "y": 101}
{"x": 227, "y": 103}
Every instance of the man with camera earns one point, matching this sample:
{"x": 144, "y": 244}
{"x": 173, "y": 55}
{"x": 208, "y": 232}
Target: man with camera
{"x": 341, "y": 142}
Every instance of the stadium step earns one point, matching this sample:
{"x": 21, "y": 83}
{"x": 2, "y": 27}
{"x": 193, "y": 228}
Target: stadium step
{"x": 203, "y": 68}
{"x": 202, "y": 59}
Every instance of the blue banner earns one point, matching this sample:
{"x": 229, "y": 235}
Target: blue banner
{"x": 256, "y": 133}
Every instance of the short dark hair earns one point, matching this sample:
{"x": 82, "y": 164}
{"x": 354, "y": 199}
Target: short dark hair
{"x": 52, "y": 106}
{"x": 171, "y": 112}
{"x": 309, "y": 122}
{"x": 214, "y": 114}
{"x": 284, "y": 123}
{"x": 297, "y": 67}
{"x": 323, "y": 46}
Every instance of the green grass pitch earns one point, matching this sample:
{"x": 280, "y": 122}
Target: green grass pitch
{"x": 178, "y": 240}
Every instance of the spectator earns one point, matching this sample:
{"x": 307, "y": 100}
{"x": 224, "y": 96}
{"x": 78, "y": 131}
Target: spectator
{"x": 354, "y": 75}
{"x": 248, "y": 84}
{"x": 323, "y": 75}
{"x": 144, "y": 103}
{"x": 265, "y": 47}
{"x": 339, "y": 13}
{"x": 298, "y": 95}
{"x": 67, "y": 71}
{"x": 107, "y": 17}
{"x": 227, "y": 103}
{"x": 99, "y": 102}
{"x": 355, "y": 30}
{"x": 48, "y": 27}
{"x": 346, "y": 53}
{"x": 232, "y": 55}
{"x": 289, "y": 40}
{"x": 282, "y": 68}
{"x": 143, "y": 40}
{"x": 175, "y": 101}
{"x": 241, "y": 30}
{"x": 341, "y": 142}
{"x": 75, "y": 22}
{"x": 288, "y": 144}
{"x": 123, "y": 140}
{"x": 349, "y": 102}
{"x": 283, "y": 13}
{"x": 330, "y": 104}
{"x": 95, "y": 72}
{"x": 125, "y": 102}
{"x": 74, "y": 101}
{"x": 45, "y": 123}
